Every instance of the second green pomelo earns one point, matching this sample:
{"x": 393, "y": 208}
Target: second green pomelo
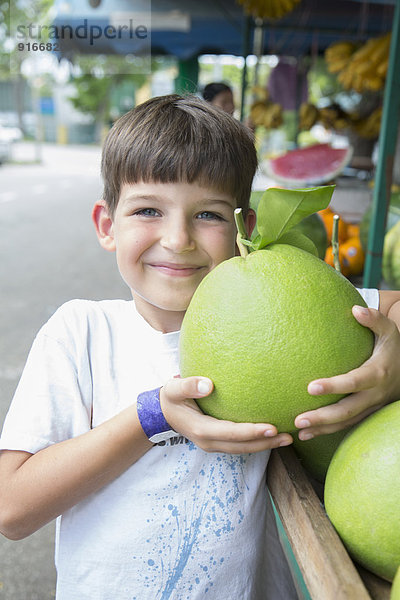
{"x": 395, "y": 590}
{"x": 316, "y": 454}
{"x": 262, "y": 327}
{"x": 362, "y": 491}
{"x": 393, "y": 216}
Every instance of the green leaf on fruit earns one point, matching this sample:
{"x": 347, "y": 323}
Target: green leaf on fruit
{"x": 299, "y": 240}
{"x": 279, "y": 210}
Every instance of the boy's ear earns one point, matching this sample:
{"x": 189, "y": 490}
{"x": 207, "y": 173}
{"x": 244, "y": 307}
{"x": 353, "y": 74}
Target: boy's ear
{"x": 104, "y": 226}
{"x": 250, "y": 221}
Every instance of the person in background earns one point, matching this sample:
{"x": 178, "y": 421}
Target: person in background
{"x": 220, "y": 94}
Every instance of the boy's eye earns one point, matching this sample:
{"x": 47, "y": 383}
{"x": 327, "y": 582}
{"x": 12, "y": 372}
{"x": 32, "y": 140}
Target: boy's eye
{"x": 147, "y": 212}
{"x": 210, "y": 216}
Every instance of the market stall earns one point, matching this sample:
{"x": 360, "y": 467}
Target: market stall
{"x": 389, "y": 121}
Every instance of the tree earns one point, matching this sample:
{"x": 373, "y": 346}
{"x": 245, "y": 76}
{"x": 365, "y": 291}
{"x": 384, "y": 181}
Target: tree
{"x": 97, "y": 80}
{"x": 14, "y": 15}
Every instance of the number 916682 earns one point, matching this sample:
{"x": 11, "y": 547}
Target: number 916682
{"x": 38, "y": 47}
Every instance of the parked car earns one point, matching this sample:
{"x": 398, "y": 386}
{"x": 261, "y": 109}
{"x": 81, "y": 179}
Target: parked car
{"x": 5, "y": 151}
{"x": 8, "y": 135}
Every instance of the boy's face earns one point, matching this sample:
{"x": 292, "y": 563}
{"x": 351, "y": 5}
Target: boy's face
{"x": 167, "y": 237}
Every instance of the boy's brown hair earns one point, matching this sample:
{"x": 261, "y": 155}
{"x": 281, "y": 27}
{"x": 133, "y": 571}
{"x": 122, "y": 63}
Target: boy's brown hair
{"x": 174, "y": 138}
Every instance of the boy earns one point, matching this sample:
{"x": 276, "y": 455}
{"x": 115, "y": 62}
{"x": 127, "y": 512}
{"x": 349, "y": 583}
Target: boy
{"x": 156, "y": 499}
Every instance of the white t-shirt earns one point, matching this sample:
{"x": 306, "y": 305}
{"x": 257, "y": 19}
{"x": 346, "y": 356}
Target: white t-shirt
{"x": 180, "y": 523}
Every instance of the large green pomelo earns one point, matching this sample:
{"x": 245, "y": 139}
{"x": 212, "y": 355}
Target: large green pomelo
{"x": 362, "y": 491}
{"x": 264, "y": 326}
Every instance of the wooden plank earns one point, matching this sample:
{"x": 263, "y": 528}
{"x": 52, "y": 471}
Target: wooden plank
{"x": 327, "y": 569}
{"x": 378, "y": 588}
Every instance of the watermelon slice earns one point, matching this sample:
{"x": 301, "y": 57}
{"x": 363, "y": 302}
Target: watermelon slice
{"x": 308, "y": 166}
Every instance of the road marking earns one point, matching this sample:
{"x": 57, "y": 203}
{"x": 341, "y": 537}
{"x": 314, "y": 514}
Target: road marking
{"x": 40, "y": 188}
{"x": 36, "y": 190}
{"x": 65, "y": 184}
{"x": 10, "y": 373}
{"x": 7, "y": 197}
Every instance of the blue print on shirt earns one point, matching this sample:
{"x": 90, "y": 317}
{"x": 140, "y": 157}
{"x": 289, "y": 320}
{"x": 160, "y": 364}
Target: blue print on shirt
{"x": 179, "y": 561}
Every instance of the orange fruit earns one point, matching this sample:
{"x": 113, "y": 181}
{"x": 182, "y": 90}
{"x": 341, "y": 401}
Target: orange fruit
{"x": 353, "y": 230}
{"x": 353, "y": 255}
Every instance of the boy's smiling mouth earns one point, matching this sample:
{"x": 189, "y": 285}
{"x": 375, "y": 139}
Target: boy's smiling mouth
{"x": 176, "y": 269}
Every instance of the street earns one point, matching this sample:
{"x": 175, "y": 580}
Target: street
{"x": 49, "y": 254}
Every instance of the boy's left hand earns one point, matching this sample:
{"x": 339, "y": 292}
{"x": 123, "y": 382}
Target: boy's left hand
{"x": 374, "y": 384}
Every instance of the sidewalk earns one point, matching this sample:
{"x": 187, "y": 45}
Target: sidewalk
{"x": 69, "y": 158}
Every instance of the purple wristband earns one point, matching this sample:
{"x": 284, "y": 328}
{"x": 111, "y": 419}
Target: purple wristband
{"x": 151, "y": 417}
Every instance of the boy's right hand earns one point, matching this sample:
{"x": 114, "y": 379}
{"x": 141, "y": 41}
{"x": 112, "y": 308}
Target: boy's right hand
{"x": 210, "y": 434}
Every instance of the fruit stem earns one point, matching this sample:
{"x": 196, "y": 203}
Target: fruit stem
{"x": 335, "y": 242}
{"x": 242, "y": 233}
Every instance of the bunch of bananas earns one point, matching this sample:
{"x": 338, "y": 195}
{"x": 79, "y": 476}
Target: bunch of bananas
{"x": 331, "y": 117}
{"x": 308, "y": 116}
{"x": 368, "y": 127}
{"x": 363, "y": 68}
{"x": 266, "y": 114}
{"x": 334, "y": 117}
{"x": 268, "y": 9}
{"x": 337, "y": 55}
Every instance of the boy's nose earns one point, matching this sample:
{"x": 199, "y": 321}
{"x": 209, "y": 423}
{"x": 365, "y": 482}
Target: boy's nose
{"x": 177, "y": 238}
